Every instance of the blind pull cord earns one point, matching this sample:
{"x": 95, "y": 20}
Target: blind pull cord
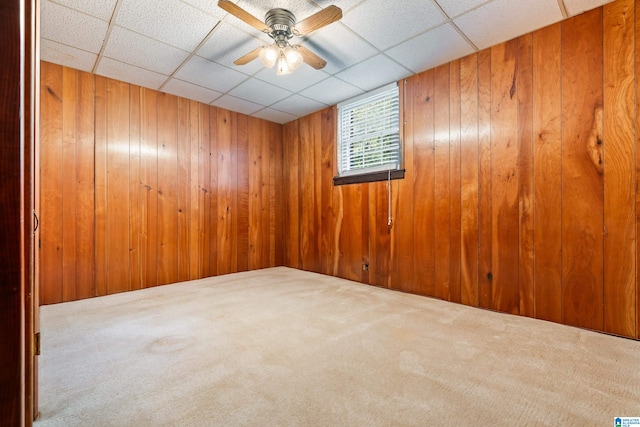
{"x": 389, "y": 220}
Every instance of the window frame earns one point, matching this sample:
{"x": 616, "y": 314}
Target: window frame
{"x": 377, "y": 172}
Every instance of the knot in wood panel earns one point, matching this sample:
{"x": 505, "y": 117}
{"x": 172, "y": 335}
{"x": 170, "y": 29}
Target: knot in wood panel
{"x": 595, "y": 140}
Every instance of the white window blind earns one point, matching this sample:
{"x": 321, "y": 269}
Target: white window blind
{"x": 369, "y": 132}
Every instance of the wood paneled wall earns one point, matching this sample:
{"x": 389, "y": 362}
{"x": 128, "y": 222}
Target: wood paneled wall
{"x": 141, "y": 188}
{"x": 520, "y": 193}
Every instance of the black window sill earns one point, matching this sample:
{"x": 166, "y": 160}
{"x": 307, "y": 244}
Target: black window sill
{"x": 368, "y": 177}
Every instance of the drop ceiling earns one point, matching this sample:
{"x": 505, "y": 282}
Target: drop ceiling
{"x": 187, "y": 47}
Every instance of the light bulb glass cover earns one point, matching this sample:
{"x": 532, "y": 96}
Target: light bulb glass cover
{"x": 293, "y": 58}
{"x": 269, "y": 55}
{"x": 282, "y": 67}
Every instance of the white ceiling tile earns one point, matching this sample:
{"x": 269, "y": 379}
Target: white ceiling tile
{"x": 208, "y": 6}
{"x": 135, "y": 49}
{"x": 373, "y": 73}
{"x": 339, "y": 46}
{"x": 232, "y": 103}
{"x": 454, "y": 8}
{"x": 260, "y": 92}
{"x": 72, "y": 28}
{"x": 227, "y": 44}
{"x": 345, "y": 5}
{"x": 576, "y": 7}
{"x": 442, "y": 44}
{"x": 209, "y": 74}
{"x": 298, "y": 105}
{"x": 331, "y": 91}
{"x": 503, "y": 20}
{"x": 274, "y": 116}
{"x": 102, "y": 9}
{"x": 300, "y": 79}
{"x": 386, "y": 23}
{"x": 65, "y": 55}
{"x": 190, "y": 91}
{"x": 170, "y": 21}
{"x": 130, "y": 74}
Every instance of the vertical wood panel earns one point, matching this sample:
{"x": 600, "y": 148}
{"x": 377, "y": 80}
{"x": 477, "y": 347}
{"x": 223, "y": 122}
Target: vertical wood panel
{"x": 255, "y": 191}
{"x": 424, "y": 220}
{"x": 277, "y": 207}
{"x": 350, "y": 239}
{"x": 547, "y": 174}
{"x": 485, "y": 283}
{"x": 226, "y": 183}
{"x": 455, "y": 186}
{"x": 619, "y": 169}
{"x": 85, "y": 224}
{"x": 69, "y": 187}
{"x": 101, "y": 186}
{"x": 582, "y": 181}
{"x": 195, "y": 208}
{"x": 292, "y": 195}
{"x": 442, "y": 191}
{"x": 245, "y": 170}
{"x": 51, "y": 183}
{"x": 402, "y": 233}
{"x": 117, "y": 212}
{"x": 328, "y": 219}
{"x": 148, "y": 195}
{"x": 183, "y": 189}
{"x": 265, "y": 195}
{"x": 207, "y": 186}
{"x": 308, "y": 253}
{"x": 135, "y": 279}
{"x": 469, "y": 179}
{"x": 637, "y": 129}
{"x": 504, "y": 178}
{"x": 524, "y": 80}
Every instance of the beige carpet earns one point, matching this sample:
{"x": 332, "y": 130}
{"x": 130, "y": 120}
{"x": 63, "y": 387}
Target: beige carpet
{"x": 285, "y": 347}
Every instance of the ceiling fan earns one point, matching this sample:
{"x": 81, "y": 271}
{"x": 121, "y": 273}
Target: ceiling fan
{"x": 281, "y": 26}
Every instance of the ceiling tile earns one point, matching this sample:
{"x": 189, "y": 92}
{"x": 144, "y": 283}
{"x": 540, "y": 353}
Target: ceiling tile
{"x": 130, "y": 74}
{"x": 454, "y": 8}
{"x": 72, "y": 28}
{"x": 274, "y": 116}
{"x": 373, "y": 73}
{"x": 576, "y": 7}
{"x": 386, "y": 23}
{"x": 260, "y": 92}
{"x": 441, "y": 45}
{"x": 208, "y": 6}
{"x": 68, "y": 56}
{"x": 339, "y": 46}
{"x": 135, "y": 49}
{"x": 300, "y": 79}
{"x": 345, "y": 5}
{"x": 100, "y": 9}
{"x": 502, "y": 20}
{"x": 191, "y": 91}
{"x": 170, "y": 21}
{"x": 232, "y": 103}
{"x": 298, "y": 105}
{"x": 331, "y": 91}
{"x": 209, "y": 74}
{"x": 227, "y": 44}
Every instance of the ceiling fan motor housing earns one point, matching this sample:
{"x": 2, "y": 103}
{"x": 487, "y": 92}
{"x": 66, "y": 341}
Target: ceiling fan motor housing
{"x": 281, "y": 22}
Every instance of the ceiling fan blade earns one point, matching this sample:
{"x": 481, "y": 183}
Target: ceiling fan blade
{"x": 318, "y": 20}
{"x": 248, "y": 57}
{"x": 243, "y": 15}
{"x": 311, "y": 58}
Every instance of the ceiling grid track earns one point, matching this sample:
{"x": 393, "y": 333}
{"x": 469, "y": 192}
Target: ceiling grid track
{"x": 112, "y": 23}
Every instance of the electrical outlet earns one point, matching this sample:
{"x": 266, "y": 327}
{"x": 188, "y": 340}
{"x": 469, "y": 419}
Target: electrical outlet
{"x": 365, "y": 266}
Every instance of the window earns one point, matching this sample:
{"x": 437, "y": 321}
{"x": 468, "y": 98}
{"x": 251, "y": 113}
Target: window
{"x": 369, "y": 136}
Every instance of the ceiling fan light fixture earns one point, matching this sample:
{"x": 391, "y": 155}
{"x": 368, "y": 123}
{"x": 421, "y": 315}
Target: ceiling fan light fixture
{"x": 269, "y": 55}
{"x": 282, "y": 65}
{"x": 293, "y": 58}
